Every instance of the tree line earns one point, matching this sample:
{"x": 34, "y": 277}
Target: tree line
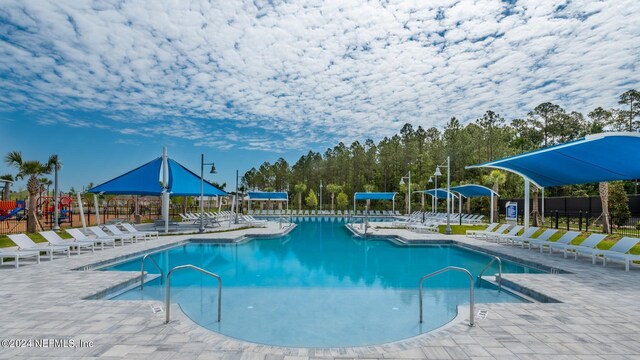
{"x": 380, "y": 166}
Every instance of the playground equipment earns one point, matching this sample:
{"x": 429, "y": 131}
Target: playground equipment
{"x": 9, "y": 209}
{"x": 46, "y": 208}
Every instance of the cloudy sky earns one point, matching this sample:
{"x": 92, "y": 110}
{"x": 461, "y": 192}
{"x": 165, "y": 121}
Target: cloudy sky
{"x": 106, "y": 84}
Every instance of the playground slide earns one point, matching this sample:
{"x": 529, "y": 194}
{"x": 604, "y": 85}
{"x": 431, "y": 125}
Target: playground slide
{"x": 19, "y": 207}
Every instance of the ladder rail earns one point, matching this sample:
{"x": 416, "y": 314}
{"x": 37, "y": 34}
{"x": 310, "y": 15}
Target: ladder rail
{"x": 451, "y": 268}
{"x": 142, "y": 270}
{"x": 189, "y": 266}
{"x": 499, "y": 277}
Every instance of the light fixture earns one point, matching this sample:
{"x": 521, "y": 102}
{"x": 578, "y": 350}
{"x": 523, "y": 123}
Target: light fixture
{"x": 438, "y": 173}
{"x": 213, "y": 169}
{"x": 430, "y": 179}
{"x": 402, "y": 181}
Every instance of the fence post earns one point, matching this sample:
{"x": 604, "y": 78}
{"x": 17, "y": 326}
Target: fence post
{"x": 557, "y": 218}
{"x": 567, "y": 215}
{"x": 580, "y": 221}
{"x": 587, "y": 222}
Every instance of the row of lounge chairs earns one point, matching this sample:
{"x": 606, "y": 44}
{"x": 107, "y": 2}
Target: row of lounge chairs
{"x": 323, "y": 212}
{"x": 209, "y": 217}
{"x": 508, "y": 234}
{"x": 429, "y": 222}
{"x": 110, "y": 235}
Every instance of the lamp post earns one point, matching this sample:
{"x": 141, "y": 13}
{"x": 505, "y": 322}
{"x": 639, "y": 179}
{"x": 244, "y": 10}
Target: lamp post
{"x": 439, "y": 173}
{"x": 213, "y": 171}
{"x": 408, "y": 177}
{"x": 236, "y": 200}
{"x": 56, "y": 198}
{"x": 320, "y": 195}
{"x": 432, "y": 198}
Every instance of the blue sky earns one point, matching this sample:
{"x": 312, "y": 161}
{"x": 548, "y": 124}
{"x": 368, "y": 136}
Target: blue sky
{"x": 106, "y": 85}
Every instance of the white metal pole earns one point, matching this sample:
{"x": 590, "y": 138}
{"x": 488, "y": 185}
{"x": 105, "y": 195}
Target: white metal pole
{"x": 56, "y": 199}
{"x": 448, "y": 229}
{"x": 526, "y": 203}
{"x": 542, "y": 206}
{"x": 95, "y": 202}
{"x": 409, "y": 192}
{"x": 460, "y": 208}
{"x": 201, "y": 229}
{"x": 235, "y": 199}
{"x": 435, "y": 197}
{"x": 165, "y": 189}
{"x": 84, "y": 223}
{"x": 491, "y": 208}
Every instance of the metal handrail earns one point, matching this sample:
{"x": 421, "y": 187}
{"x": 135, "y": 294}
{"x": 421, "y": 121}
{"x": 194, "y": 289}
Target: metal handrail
{"x": 455, "y": 268}
{"x": 168, "y": 291}
{"x": 142, "y": 270}
{"x": 499, "y": 271}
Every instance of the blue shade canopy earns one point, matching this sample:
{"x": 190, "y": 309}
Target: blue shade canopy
{"x": 594, "y": 158}
{"x": 263, "y": 195}
{"x": 374, "y": 195}
{"x": 145, "y": 180}
{"x": 439, "y": 193}
{"x": 473, "y": 190}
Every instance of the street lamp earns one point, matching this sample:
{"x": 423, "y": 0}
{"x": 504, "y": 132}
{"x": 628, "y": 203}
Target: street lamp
{"x": 320, "y": 195}
{"x": 432, "y": 198}
{"x": 408, "y": 177}
{"x": 236, "y": 200}
{"x": 439, "y": 173}
{"x": 212, "y": 171}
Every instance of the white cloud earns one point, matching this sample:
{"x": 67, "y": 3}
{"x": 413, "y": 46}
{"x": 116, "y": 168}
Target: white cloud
{"x": 288, "y": 76}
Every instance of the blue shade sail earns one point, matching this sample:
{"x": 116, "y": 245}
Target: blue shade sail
{"x": 145, "y": 180}
{"x": 473, "y": 190}
{"x": 264, "y": 195}
{"x": 374, "y": 195}
{"x": 594, "y": 158}
{"x": 439, "y": 193}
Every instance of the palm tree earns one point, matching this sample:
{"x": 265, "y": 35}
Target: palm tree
{"x": 31, "y": 169}
{"x": 333, "y": 189}
{"x": 300, "y": 188}
{"x": 7, "y": 186}
{"x": 603, "y": 189}
{"x": 495, "y": 179}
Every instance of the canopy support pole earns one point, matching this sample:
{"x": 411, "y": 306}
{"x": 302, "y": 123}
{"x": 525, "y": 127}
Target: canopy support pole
{"x": 84, "y": 223}
{"x": 165, "y": 189}
{"x": 95, "y": 202}
{"x": 460, "y": 208}
{"x": 491, "y": 208}
{"x": 526, "y": 202}
{"x": 542, "y": 205}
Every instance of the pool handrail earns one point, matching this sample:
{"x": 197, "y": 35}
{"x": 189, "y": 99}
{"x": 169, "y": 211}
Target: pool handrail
{"x": 445, "y": 269}
{"x": 142, "y": 270}
{"x": 499, "y": 277}
{"x": 189, "y": 266}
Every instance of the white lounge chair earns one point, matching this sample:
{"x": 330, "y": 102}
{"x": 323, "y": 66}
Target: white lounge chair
{"x": 618, "y": 251}
{"x": 24, "y": 243}
{"x": 491, "y": 227}
{"x": 101, "y": 234}
{"x": 132, "y": 230}
{"x": 55, "y": 239}
{"x": 81, "y": 237}
{"x": 566, "y": 238}
{"x": 522, "y": 240}
{"x": 589, "y": 243}
{"x": 117, "y": 232}
{"x": 485, "y": 234}
{"x": 17, "y": 254}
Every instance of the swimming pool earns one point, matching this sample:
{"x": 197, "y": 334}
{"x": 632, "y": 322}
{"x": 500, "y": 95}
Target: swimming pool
{"x": 319, "y": 286}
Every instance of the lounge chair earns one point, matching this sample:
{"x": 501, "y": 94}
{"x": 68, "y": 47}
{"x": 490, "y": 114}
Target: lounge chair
{"x": 17, "y": 254}
{"x": 485, "y": 234}
{"x": 491, "y": 227}
{"x": 81, "y": 237}
{"x": 566, "y": 238}
{"x": 621, "y": 247}
{"x": 248, "y": 219}
{"x": 132, "y": 230}
{"x": 101, "y": 234}
{"x": 512, "y": 233}
{"x": 589, "y": 243}
{"x": 24, "y": 243}
{"x": 55, "y": 239}
{"x": 545, "y": 236}
{"x": 620, "y": 251}
{"x": 117, "y": 232}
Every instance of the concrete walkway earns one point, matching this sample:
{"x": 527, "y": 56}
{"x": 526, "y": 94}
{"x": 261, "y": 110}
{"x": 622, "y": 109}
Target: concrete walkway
{"x": 598, "y": 316}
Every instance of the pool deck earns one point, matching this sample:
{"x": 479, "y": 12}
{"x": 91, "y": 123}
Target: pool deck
{"x": 598, "y": 316}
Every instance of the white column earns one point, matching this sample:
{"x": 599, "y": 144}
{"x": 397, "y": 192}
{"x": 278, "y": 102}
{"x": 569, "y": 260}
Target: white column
{"x": 492, "y": 208}
{"x": 165, "y": 189}
{"x": 526, "y": 203}
{"x": 84, "y": 223}
{"x": 95, "y": 202}
{"x": 542, "y": 206}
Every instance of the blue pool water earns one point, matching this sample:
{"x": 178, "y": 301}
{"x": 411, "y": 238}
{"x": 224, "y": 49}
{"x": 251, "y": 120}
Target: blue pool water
{"x": 319, "y": 286}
